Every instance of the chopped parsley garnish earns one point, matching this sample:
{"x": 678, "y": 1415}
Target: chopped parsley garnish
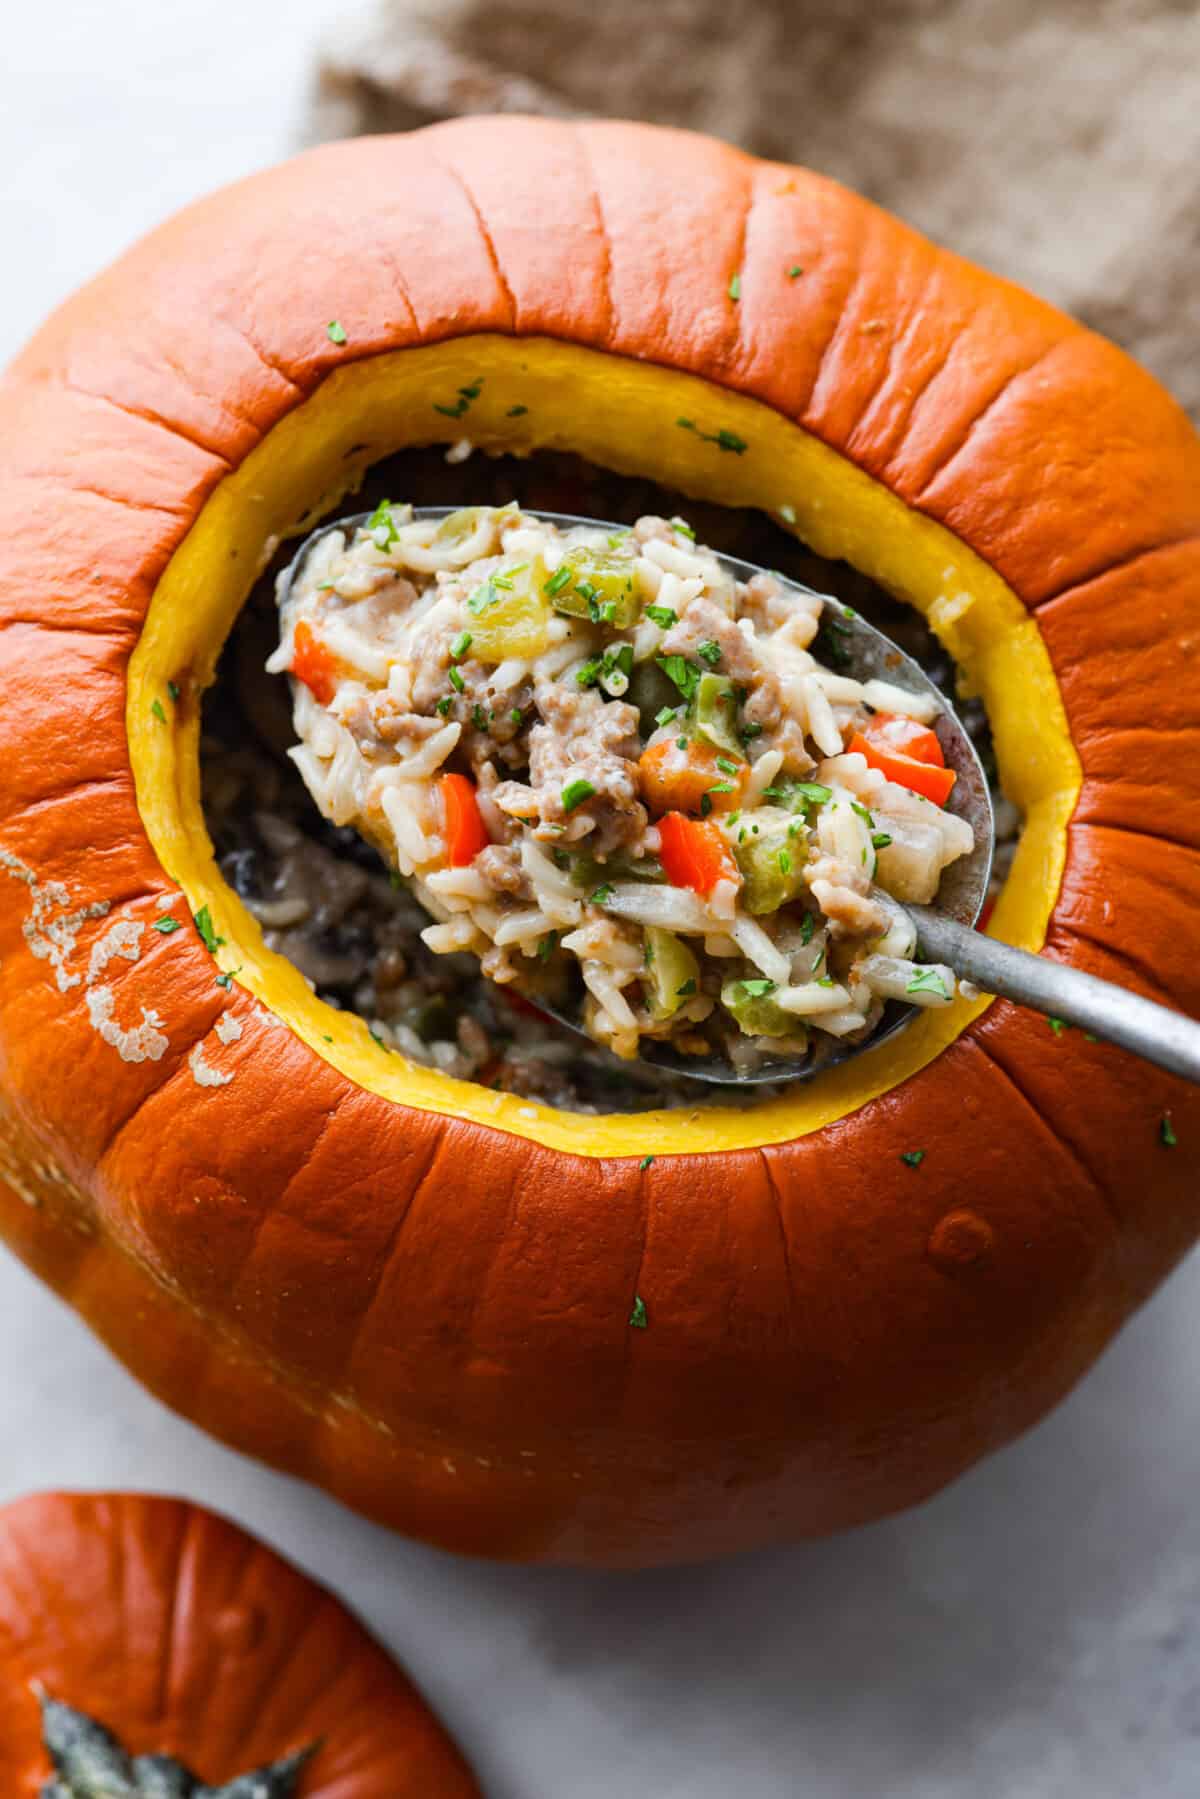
{"x": 559, "y": 579}
{"x": 857, "y": 806}
{"x": 479, "y": 718}
{"x": 709, "y": 651}
{"x": 726, "y": 766}
{"x": 382, "y": 526}
{"x": 575, "y": 792}
{"x": 173, "y": 692}
{"x": 645, "y": 1163}
{"x": 637, "y": 1316}
{"x": 807, "y": 928}
{"x": 460, "y": 646}
{"x": 758, "y": 989}
{"x": 156, "y": 707}
{"x": 666, "y": 715}
{"x": 825, "y": 981}
{"x": 705, "y": 805}
{"x": 207, "y": 930}
{"x": 336, "y": 331}
{"x": 685, "y": 530}
{"x": 456, "y": 680}
{"x": 880, "y": 840}
{"x": 751, "y": 731}
{"x": 684, "y": 674}
{"x": 1166, "y": 1132}
{"x": 166, "y": 924}
{"x": 681, "y": 743}
{"x": 795, "y": 270}
{"x": 443, "y": 706}
{"x": 516, "y": 412}
{"x": 226, "y": 980}
{"x": 662, "y": 615}
{"x": 927, "y": 980}
{"x": 602, "y": 894}
{"x": 785, "y": 862}
{"x": 517, "y": 716}
{"x": 724, "y": 440}
{"x": 485, "y": 595}
{"x": 912, "y": 1158}
{"x": 1057, "y": 1025}
{"x": 735, "y": 286}
{"x": 686, "y": 989}
{"x": 376, "y": 1038}
{"x": 547, "y": 946}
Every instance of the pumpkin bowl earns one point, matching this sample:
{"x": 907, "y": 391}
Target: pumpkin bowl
{"x": 508, "y": 1329}
{"x": 144, "y": 1627}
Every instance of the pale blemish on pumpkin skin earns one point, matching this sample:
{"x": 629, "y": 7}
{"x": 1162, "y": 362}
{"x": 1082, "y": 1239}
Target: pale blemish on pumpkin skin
{"x": 50, "y": 930}
{"x": 145, "y": 1042}
{"x": 226, "y": 1030}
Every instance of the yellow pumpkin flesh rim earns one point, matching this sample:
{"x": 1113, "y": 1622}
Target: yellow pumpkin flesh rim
{"x": 618, "y": 414}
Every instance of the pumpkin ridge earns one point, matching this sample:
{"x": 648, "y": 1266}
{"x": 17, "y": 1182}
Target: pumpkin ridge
{"x": 611, "y": 326}
{"x": 485, "y": 238}
{"x": 994, "y": 401}
{"x": 378, "y": 1281}
{"x": 1092, "y": 1179}
{"x": 88, "y": 783}
{"x": 1139, "y": 974}
{"x": 1121, "y": 566}
{"x": 1098, "y": 825}
{"x": 899, "y": 347}
{"x": 785, "y": 1244}
{"x": 147, "y": 417}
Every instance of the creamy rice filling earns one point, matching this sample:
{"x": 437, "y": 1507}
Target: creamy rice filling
{"x": 601, "y": 763}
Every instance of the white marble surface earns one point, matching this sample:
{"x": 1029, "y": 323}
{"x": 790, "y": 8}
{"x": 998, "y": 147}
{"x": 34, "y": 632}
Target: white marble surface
{"x": 1034, "y": 1632}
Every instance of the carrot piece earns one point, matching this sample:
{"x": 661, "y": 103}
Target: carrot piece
{"x": 694, "y": 853}
{"x": 465, "y": 831}
{"x": 676, "y": 780}
{"x": 935, "y": 784}
{"x": 314, "y": 664}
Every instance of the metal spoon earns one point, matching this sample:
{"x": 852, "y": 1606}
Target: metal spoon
{"x": 945, "y": 933}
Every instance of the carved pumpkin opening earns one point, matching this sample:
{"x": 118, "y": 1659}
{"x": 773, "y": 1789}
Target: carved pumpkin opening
{"x": 323, "y": 896}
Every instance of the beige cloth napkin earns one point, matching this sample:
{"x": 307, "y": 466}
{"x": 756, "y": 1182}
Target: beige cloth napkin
{"x": 1055, "y": 141}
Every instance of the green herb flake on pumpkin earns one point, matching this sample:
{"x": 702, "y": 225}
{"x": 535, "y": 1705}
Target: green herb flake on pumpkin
{"x": 558, "y": 580}
{"x": 1057, "y": 1025}
{"x": 795, "y": 270}
{"x": 166, "y": 924}
{"x": 735, "y": 286}
{"x": 204, "y": 924}
{"x": 516, "y": 412}
{"x": 912, "y": 1158}
{"x": 723, "y": 438}
{"x": 637, "y": 1316}
{"x": 373, "y": 1034}
{"x": 225, "y": 980}
{"x": 646, "y": 1162}
{"x": 336, "y": 332}
{"x": 1166, "y": 1132}
{"x": 173, "y": 692}
{"x": 156, "y": 707}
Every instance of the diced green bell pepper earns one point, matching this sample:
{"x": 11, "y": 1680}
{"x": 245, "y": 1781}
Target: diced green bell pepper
{"x": 716, "y": 714}
{"x": 756, "y": 1012}
{"x": 595, "y": 584}
{"x": 772, "y": 866}
{"x": 672, "y": 972}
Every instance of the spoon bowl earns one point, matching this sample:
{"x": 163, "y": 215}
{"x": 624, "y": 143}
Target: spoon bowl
{"x": 864, "y": 654}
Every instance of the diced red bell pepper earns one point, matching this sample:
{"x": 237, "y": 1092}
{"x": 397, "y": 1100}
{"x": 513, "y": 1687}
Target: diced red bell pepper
{"x": 907, "y": 753}
{"x": 463, "y": 826}
{"x": 694, "y": 853}
{"x": 314, "y": 664}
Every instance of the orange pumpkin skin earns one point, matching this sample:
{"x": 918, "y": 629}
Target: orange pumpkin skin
{"x": 186, "y": 1637}
{"x": 427, "y": 1316}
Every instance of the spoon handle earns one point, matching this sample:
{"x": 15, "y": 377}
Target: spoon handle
{"x": 1154, "y": 1032}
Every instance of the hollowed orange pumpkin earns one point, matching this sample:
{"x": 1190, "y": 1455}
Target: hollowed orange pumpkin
{"x": 181, "y": 1636}
{"x": 419, "y": 1292}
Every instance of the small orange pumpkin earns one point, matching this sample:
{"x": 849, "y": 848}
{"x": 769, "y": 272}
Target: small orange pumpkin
{"x": 417, "y": 1292}
{"x": 181, "y": 1636}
